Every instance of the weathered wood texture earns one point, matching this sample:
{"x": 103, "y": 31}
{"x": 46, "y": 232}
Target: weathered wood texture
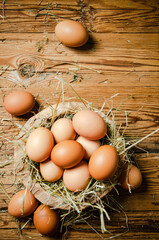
{"x": 124, "y": 46}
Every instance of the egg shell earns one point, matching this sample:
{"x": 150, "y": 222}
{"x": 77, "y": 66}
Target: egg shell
{"x": 130, "y": 175}
{"x": 62, "y": 129}
{"x": 77, "y": 178}
{"x": 71, "y": 33}
{"x": 67, "y": 154}
{"x": 103, "y": 162}
{"x": 22, "y": 204}
{"x": 39, "y": 144}
{"x": 89, "y": 124}
{"x": 50, "y": 171}
{"x": 46, "y": 220}
{"x": 19, "y": 102}
{"x": 89, "y": 145}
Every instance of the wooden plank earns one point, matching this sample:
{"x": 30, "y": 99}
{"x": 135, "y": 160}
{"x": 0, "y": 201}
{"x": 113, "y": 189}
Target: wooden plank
{"x": 121, "y": 4}
{"x": 110, "y": 63}
{"x": 127, "y": 43}
{"x": 83, "y": 234}
{"x": 110, "y": 41}
{"x": 143, "y": 18}
{"x": 117, "y": 223}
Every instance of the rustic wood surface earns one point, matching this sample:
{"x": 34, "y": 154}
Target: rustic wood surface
{"x": 118, "y": 66}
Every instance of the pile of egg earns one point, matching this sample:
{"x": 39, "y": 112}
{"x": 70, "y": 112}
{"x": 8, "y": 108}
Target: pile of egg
{"x": 71, "y": 150}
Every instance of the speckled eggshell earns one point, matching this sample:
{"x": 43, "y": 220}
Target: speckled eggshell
{"x": 19, "y": 102}
{"x": 103, "y": 162}
{"x": 77, "y": 178}
{"x": 22, "y": 204}
{"x": 67, "y": 154}
{"x": 89, "y": 124}
{"x": 39, "y": 144}
{"x": 46, "y": 220}
{"x": 71, "y": 33}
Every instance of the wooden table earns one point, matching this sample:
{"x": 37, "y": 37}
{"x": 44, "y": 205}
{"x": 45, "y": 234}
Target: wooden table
{"x": 117, "y": 68}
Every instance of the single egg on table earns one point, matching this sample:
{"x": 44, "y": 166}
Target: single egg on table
{"x": 19, "y": 102}
{"x": 89, "y": 124}
{"x": 50, "y": 171}
{"x": 130, "y": 177}
{"x": 22, "y": 204}
{"x": 39, "y": 144}
{"x": 77, "y": 178}
{"x": 71, "y": 33}
{"x": 103, "y": 163}
{"x": 89, "y": 145}
{"x": 62, "y": 129}
{"x": 46, "y": 220}
{"x": 67, "y": 154}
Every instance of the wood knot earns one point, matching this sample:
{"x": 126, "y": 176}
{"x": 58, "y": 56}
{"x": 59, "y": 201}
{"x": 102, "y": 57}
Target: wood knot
{"x": 26, "y": 70}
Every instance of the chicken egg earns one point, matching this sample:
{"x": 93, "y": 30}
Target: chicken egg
{"x": 22, "y": 204}
{"x": 67, "y": 154}
{"x": 130, "y": 175}
{"x": 39, "y": 144}
{"x": 77, "y": 178}
{"x": 71, "y": 33}
{"x": 89, "y": 145}
{"x": 46, "y": 220}
{"x": 19, "y": 102}
{"x": 50, "y": 171}
{"x": 89, "y": 124}
{"x": 62, "y": 129}
{"x": 103, "y": 163}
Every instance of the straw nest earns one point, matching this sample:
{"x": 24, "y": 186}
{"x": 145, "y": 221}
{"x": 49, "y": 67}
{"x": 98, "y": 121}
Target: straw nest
{"x": 55, "y": 194}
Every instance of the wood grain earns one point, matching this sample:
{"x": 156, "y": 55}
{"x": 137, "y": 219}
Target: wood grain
{"x": 106, "y": 17}
{"x": 118, "y": 67}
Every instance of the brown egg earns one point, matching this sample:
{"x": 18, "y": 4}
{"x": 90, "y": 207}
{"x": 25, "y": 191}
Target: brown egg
{"x": 22, "y": 204}
{"x": 62, "y": 129}
{"x": 71, "y": 33}
{"x": 130, "y": 175}
{"x": 77, "y": 178}
{"x": 19, "y": 102}
{"x": 50, "y": 171}
{"x": 39, "y": 144}
{"x": 89, "y": 145}
{"x": 103, "y": 162}
{"x": 67, "y": 154}
{"x": 89, "y": 124}
{"x": 46, "y": 220}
